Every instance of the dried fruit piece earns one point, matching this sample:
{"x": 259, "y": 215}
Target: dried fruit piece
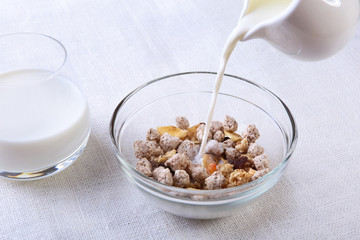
{"x": 239, "y": 162}
{"x": 208, "y": 159}
{"x": 211, "y": 168}
{"x": 233, "y": 136}
{"x": 173, "y": 131}
{"x": 249, "y": 164}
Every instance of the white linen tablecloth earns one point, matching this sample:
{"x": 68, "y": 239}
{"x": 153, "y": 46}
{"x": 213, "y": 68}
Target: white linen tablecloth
{"x": 116, "y": 45}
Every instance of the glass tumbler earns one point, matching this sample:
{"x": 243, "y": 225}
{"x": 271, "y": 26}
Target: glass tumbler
{"x": 45, "y": 122}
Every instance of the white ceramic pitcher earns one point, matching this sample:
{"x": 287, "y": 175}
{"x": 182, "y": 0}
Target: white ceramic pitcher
{"x": 308, "y": 29}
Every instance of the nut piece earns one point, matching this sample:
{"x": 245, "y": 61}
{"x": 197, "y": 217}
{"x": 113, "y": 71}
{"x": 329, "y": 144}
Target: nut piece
{"x": 215, "y": 181}
{"x": 216, "y": 126}
{"x": 200, "y": 133}
{"x": 166, "y": 156}
{"x": 153, "y": 135}
{"x": 259, "y": 174}
{"x": 226, "y": 169}
{"x": 198, "y": 173}
{"x": 145, "y": 167}
{"x": 168, "y": 142}
{"x": 232, "y": 154}
{"x": 178, "y": 162}
{"x": 230, "y": 124}
{"x": 181, "y": 179}
{"x": 163, "y": 175}
{"x": 219, "y": 136}
{"x": 214, "y": 147}
{"x": 261, "y": 162}
{"x": 146, "y": 149}
{"x": 228, "y": 143}
{"x": 189, "y": 148}
{"x": 182, "y": 123}
{"x": 242, "y": 146}
{"x": 255, "y": 149}
{"x": 239, "y": 177}
{"x": 252, "y": 133}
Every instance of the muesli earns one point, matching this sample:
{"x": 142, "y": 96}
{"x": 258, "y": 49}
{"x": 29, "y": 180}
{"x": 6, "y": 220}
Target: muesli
{"x": 169, "y": 155}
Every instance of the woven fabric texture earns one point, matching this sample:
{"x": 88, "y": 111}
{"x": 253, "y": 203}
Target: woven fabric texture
{"x": 114, "y": 46}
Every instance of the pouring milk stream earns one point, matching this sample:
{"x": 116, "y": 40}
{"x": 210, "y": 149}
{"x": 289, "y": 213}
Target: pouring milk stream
{"x": 304, "y": 29}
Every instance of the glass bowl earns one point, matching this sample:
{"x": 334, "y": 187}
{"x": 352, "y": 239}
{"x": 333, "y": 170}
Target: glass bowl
{"x": 159, "y": 102}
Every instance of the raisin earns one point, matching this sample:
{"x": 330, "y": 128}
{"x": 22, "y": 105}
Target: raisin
{"x": 239, "y": 162}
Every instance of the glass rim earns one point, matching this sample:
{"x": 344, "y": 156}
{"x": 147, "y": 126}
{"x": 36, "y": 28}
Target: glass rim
{"x": 58, "y": 69}
{"x": 281, "y": 166}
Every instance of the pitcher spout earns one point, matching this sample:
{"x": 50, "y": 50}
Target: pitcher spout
{"x": 255, "y": 33}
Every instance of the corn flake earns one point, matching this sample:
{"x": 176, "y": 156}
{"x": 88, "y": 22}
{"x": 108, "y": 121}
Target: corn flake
{"x": 173, "y": 131}
{"x": 233, "y": 136}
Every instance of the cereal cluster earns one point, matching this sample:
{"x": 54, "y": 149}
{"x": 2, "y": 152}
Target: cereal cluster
{"x": 230, "y": 159}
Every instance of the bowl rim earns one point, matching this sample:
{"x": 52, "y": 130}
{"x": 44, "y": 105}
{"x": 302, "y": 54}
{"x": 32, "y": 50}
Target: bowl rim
{"x": 281, "y": 166}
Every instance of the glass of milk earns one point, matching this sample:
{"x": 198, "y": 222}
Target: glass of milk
{"x": 44, "y": 122}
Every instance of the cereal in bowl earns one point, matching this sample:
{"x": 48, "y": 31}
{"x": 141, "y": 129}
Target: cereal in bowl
{"x": 169, "y": 155}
